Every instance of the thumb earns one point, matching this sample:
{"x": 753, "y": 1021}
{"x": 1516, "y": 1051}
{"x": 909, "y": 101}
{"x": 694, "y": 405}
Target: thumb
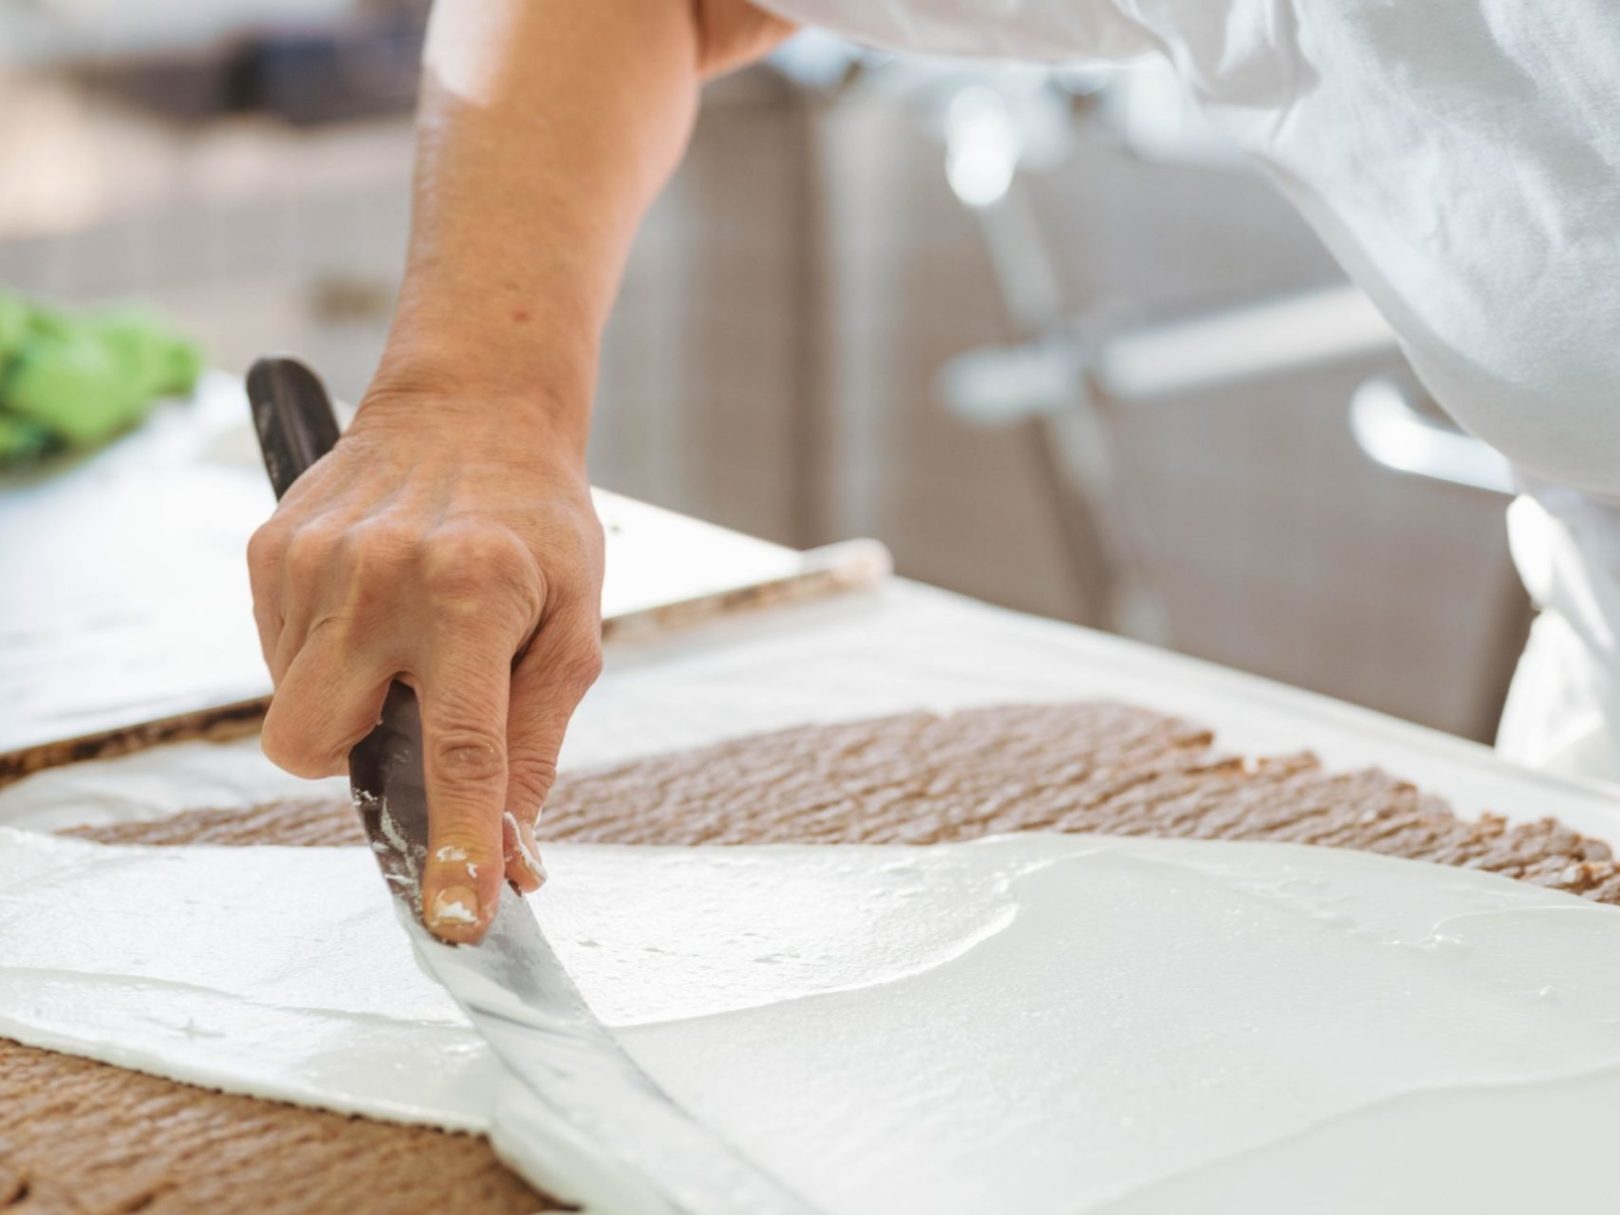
{"x": 547, "y": 686}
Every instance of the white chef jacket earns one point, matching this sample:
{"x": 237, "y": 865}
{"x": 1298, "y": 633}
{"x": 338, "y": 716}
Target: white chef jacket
{"x": 1461, "y": 159}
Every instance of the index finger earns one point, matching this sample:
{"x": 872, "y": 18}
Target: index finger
{"x": 464, "y": 690}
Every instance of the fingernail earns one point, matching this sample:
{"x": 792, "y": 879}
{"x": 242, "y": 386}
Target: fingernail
{"x": 531, "y": 853}
{"x": 454, "y": 907}
{"x": 522, "y": 839}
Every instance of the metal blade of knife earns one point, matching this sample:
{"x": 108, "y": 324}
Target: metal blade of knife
{"x": 648, "y": 1155}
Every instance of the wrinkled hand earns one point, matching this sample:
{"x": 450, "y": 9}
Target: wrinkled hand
{"x": 453, "y": 546}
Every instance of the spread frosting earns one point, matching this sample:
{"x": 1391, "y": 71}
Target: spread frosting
{"x": 1031, "y": 1023}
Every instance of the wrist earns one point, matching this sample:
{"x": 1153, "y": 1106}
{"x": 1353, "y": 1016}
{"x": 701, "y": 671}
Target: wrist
{"x": 419, "y": 401}
{"x": 418, "y": 384}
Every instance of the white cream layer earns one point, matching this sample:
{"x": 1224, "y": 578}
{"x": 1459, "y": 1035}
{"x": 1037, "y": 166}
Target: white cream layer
{"x": 1036, "y": 1024}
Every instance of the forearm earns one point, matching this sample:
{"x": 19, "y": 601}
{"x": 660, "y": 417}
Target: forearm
{"x": 546, "y": 128}
{"x": 449, "y": 539}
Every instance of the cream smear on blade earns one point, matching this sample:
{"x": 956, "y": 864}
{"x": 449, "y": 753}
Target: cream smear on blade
{"x": 1038, "y": 1024}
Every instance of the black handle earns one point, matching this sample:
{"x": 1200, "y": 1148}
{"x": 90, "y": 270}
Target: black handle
{"x": 292, "y": 416}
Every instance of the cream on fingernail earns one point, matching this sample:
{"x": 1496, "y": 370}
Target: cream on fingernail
{"x": 455, "y": 906}
{"x": 530, "y": 861}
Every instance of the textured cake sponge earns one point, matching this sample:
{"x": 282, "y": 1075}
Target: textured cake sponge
{"x": 81, "y": 1136}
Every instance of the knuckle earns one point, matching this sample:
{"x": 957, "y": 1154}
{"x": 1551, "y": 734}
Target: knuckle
{"x": 382, "y": 540}
{"x": 289, "y": 746}
{"x": 468, "y": 756}
{"x": 377, "y": 553}
{"x": 575, "y": 549}
{"x": 309, "y": 552}
{"x": 585, "y": 664}
{"x": 584, "y": 533}
{"x": 466, "y": 566}
{"x": 458, "y": 561}
{"x": 265, "y": 547}
{"x": 595, "y": 538}
{"x": 534, "y": 775}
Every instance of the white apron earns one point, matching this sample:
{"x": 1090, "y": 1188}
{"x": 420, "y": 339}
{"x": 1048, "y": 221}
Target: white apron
{"x": 1563, "y": 710}
{"x": 1461, "y": 159}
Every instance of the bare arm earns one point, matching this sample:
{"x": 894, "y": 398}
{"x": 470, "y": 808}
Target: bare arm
{"x": 449, "y": 538}
{"x": 547, "y": 126}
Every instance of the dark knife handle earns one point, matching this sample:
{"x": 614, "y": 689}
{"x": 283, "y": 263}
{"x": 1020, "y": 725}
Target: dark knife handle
{"x": 292, "y": 416}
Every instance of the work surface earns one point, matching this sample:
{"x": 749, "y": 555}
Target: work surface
{"x": 901, "y": 647}
{"x": 898, "y": 648}
{"x": 127, "y": 598}
{"x": 1044, "y": 1037}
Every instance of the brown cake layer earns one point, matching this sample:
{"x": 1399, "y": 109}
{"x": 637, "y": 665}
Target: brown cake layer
{"x": 83, "y": 1137}
{"x": 1103, "y": 768}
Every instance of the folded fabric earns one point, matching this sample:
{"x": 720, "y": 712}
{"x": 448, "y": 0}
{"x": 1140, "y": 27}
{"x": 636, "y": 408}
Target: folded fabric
{"x": 75, "y": 380}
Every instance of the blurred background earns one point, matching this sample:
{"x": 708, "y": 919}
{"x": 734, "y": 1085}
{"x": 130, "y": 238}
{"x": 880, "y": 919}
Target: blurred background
{"x": 1039, "y": 331}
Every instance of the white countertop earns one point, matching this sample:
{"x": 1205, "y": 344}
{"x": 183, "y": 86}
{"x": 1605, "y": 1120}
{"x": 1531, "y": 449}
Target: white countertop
{"x": 127, "y": 598}
{"x": 126, "y": 594}
{"x": 901, "y": 647}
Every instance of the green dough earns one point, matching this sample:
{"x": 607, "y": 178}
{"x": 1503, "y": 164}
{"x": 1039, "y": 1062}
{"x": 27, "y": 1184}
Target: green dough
{"x": 22, "y": 441}
{"x": 152, "y": 360}
{"x": 72, "y": 386}
{"x": 80, "y": 379}
{"x": 14, "y": 317}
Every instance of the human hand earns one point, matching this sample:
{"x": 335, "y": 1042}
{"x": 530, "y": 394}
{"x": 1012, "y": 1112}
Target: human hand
{"x": 449, "y": 543}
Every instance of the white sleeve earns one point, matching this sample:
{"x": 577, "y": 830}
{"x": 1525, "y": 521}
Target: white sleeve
{"x": 1030, "y": 30}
